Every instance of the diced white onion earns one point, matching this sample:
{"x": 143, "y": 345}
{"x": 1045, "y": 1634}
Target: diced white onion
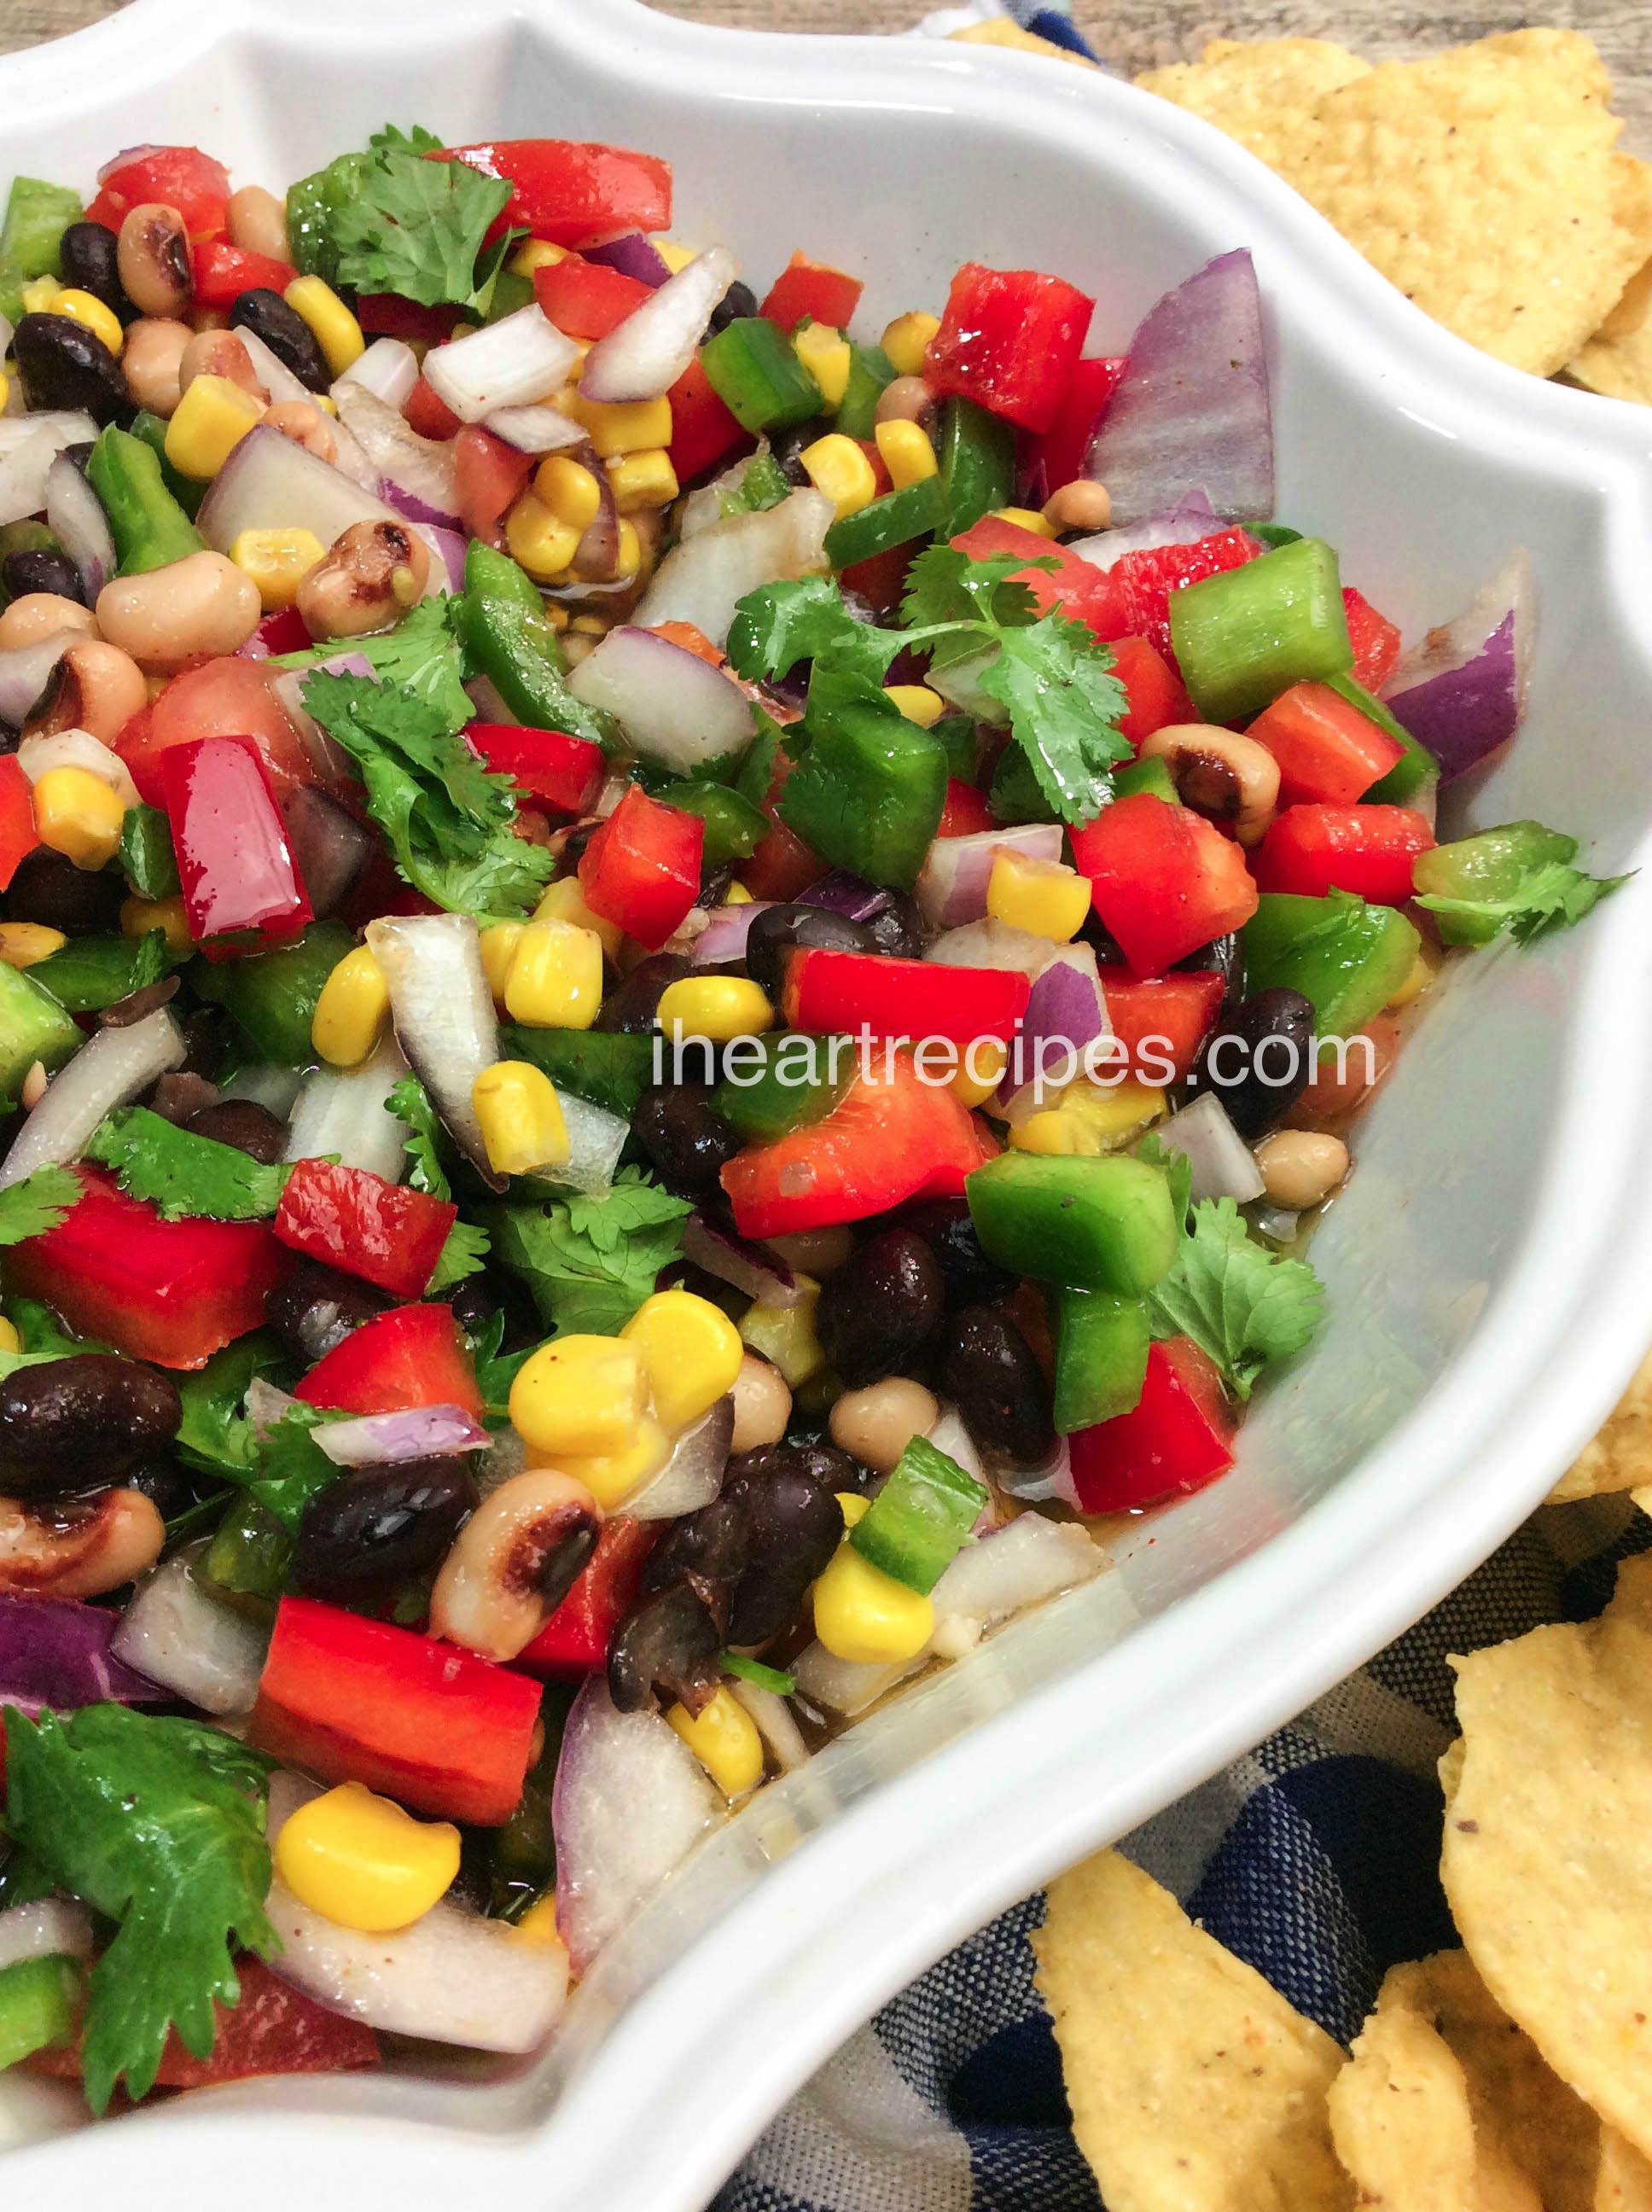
{"x": 110, "y": 1069}
{"x": 389, "y": 370}
{"x": 77, "y": 749}
{"x": 509, "y": 363}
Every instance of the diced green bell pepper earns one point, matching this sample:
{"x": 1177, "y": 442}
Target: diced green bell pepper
{"x": 1245, "y": 635}
{"x": 976, "y": 453}
{"x": 1104, "y": 1224}
{"x": 152, "y": 429}
{"x": 313, "y": 206}
{"x": 1348, "y": 958}
{"x": 1101, "y": 1356}
{"x": 90, "y": 973}
{"x": 734, "y": 829}
{"x": 1015, "y": 795}
{"x": 38, "y": 1998}
{"x": 871, "y": 371}
{"x": 508, "y": 637}
{"x": 958, "y": 739}
{"x": 1494, "y": 866}
{"x": 271, "y": 997}
{"x": 1149, "y": 775}
{"x": 868, "y": 793}
{"x": 150, "y": 528}
{"x": 922, "y": 1518}
{"x": 757, "y": 374}
{"x": 605, "y": 1066}
{"x": 34, "y": 1025}
{"x": 245, "y": 1565}
{"x": 37, "y": 215}
{"x": 146, "y": 853}
{"x": 1273, "y": 533}
{"x": 1400, "y": 785}
{"x": 915, "y": 511}
{"x": 781, "y": 1082}
{"x": 764, "y": 484}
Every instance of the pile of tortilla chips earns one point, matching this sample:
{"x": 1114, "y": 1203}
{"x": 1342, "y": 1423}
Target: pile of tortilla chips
{"x": 1512, "y": 2075}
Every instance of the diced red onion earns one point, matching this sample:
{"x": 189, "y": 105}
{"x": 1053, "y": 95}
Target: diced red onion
{"x": 674, "y": 707}
{"x": 198, "y": 1649}
{"x": 703, "y": 579}
{"x": 270, "y": 482}
{"x": 992, "y": 945}
{"x": 489, "y": 706}
{"x": 1223, "y": 1164}
{"x": 724, "y": 936}
{"x": 774, "y": 1723}
{"x": 271, "y": 370}
{"x": 328, "y": 755}
{"x": 1462, "y": 691}
{"x": 24, "y": 670}
{"x": 448, "y": 549}
{"x": 839, "y": 892}
{"x": 56, "y": 1651}
{"x": 417, "y": 474}
{"x": 959, "y": 685}
{"x": 1026, "y": 1562}
{"x": 534, "y": 430}
{"x": 1191, "y": 410}
{"x": 630, "y": 1803}
{"x": 598, "y": 552}
{"x": 389, "y": 370}
{"x": 385, "y": 1439}
{"x": 266, "y": 1404}
{"x": 643, "y": 357}
{"x": 342, "y": 1112}
{"x": 111, "y": 1068}
{"x": 950, "y": 1435}
{"x": 74, "y": 514}
{"x": 693, "y": 1475}
{"x": 444, "y": 1015}
{"x": 126, "y": 153}
{"x": 51, "y": 1927}
{"x": 331, "y": 847}
{"x": 633, "y": 255}
{"x": 509, "y": 363}
{"x": 952, "y": 887}
{"x": 28, "y": 446}
{"x": 79, "y": 749}
{"x": 745, "y": 1266}
{"x": 1191, "y": 518}
{"x": 1066, "y": 1014}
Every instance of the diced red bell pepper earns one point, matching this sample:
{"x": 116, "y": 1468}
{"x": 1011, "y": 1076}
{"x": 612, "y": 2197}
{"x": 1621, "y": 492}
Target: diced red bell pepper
{"x": 411, "y": 1356}
{"x": 488, "y": 477}
{"x": 283, "y": 631}
{"x": 702, "y": 429}
{"x": 180, "y": 177}
{"x": 1161, "y": 1023}
{"x": 172, "y": 1292}
{"x": 642, "y": 869}
{"x": 1009, "y": 340}
{"x": 1178, "y": 1437}
{"x": 844, "y": 994}
{"x": 1133, "y": 598}
{"x": 272, "y": 2028}
{"x": 388, "y": 315}
{"x": 966, "y": 811}
{"x": 1328, "y": 750}
{"x": 573, "y": 193}
{"x": 584, "y": 299}
{"x": 223, "y": 272}
{"x": 430, "y": 417}
{"x": 881, "y": 577}
{"x": 241, "y": 885}
{"x": 353, "y": 1219}
{"x": 18, "y": 834}
{"x": 813, "y": 289}
{"x": 1065, "y": 579}
{"x": 1374, "y": 639}
{"x": 430, "y": 1724}
{"x": 892, "y": 1137}
{"x": 1156, "y": 696}
{"x": 1058, "y": 457}
{"x": 559, "y": 771}
{"x": 232, "y": 696}
{"x": 1164, "y": 880}
{"x": 1369, "y": 850}
{"x": 574, "y": 1640}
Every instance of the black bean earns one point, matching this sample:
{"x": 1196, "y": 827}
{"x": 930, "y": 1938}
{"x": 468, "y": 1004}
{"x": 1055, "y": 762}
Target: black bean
{"x": 317, "y": 1307}
{"x": 967, "y": 1276}
{"x": 49, "y": 888}
{"x": 988, "y": 1368}
{"x": 89, "y": 256}
{"x": 706, "y": 1549}
{"x": 285, "y": 333}
{"x": 630, "y": 1009}
{"x": 668, "y": 1645}
{"x": 41, "y": 570}
{"x": 178, "y": 1096}
{"x": 138, "y": 1004}
{"x": 242, "y": 1122}
{"x": 687, "y": 1142}
{"x": 1260, "y": 1062}
{"x": 79, "y": 1423}
{"x": 1225, "y": 956}
{"x": 779, "y": 931}
{"x": 875, "y": 1311}
{"x": 482, "y": 1297}
{"x": 787, "y": 448}
{"x": 377, "y": 1527}
{"x": 64, "y": 364}
{"x": 737, "y": 304}
{"x": 794, "y": 1523}
{"x": 897, "y": 926}
{"x": 170, "y": 1487}
{"x": 204, "y": 1042}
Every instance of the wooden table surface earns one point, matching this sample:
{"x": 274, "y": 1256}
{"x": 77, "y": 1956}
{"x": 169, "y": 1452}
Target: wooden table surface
{"x": 1138, "y": 35}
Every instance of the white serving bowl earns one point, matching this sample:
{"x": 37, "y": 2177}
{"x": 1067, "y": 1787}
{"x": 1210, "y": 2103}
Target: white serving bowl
{"x": 1487, "y": 1297}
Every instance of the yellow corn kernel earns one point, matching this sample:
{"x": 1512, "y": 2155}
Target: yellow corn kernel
{"x": 357, "y": 1858}
{"x": 724, "y": 1738}
{"x": 737, "y": 895}
{"x": 674, "y": 256}
{"x": 78, "y": 815}
{"x": 836, "y": 465}
{"x": 629, "y": 559}
{"x": 917, "y": 703}
{"x": 1025, "y": 518}
{"x": 5, "y": 391}
{"x": 9, "y": 1340}
{"x": 210, "y": 421}
{"x": 87, "y": 309}
{"x": 612, "y": 1477}
{"x": 907, "y": 340}
{"x": 542, "y": 544}
{"x": 866, "y": 1617}
{"x": 535, "y": 254}
{"x": 335, "y": 328}
{"x": 853, "y": 1506}
{"x": 1041, "y": 897}
{"x": 827, "y": 355}
{"x": 1424, "y": 970}
{"x": 691, "y": 1349}
{"x": 139, "y": 917}
{"x": 352, "y": 1009}
{"x": 554, "y": 979}
{"x": 521, "y": 1118}
{"x": 785, "y": 1335}
{"x": 907, "y": 453}
{"x": 564, "y": 901}
{"x": 498, "y": 943}
{"x": 1050, "y": 1132}
{"x": 538, "y": 1923}
{"x": 644, "y": 479}
{"x": 584, "y": 1394}
{"x": 569, "y": 490}
{"x": 622, "y": 426}
{"x": 23, "y": 942}
{"x": 720, "y": 1007}
{"x": 589, "y": 626}
{"x": 40, "y": 297}
{"x": 981, "y": 1070}
{"x": 278, "y": 561}
{"x": 1114, "y": 1111}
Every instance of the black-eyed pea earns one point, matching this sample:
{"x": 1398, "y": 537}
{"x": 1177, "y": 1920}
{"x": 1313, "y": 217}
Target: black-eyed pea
{"x": 513, "y": 1562}
{"x": 152, "y": 362}
{"x": 202, "y": 605}
{"x": 40, "y": 615}
{"x": 374, "y": 573}
{"x": 95, "y": 687}
{"x": 154, "y": 259}
{"x": 763, "y": 1405}
{"x": 1228, "y": 778}
{"x": 908, "y": 399}
{"x": 219, "y": 353}
{"x": 258, "y": 222}
{"x": 1300, "y": 1167}
{"x": 78, "y": 1550}
{"x": 305, "y": 425}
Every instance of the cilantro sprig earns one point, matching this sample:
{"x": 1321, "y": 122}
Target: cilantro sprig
{"x": 36, "y": 1204}
{"x": 182, "y": 1175}
{"x": 1245, "y": 1306}
{"x": 416, "y": 225}
{"x": 590, "y": 1262}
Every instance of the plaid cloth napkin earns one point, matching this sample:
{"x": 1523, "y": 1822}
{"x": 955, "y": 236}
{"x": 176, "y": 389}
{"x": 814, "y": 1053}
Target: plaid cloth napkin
{"x": 1314, "y": 1858}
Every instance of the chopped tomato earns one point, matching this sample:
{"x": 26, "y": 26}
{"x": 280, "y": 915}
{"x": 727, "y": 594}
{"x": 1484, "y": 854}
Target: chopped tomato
{"x": 1177, "y": 1439}
{"x": 1340, "y": 1086}
{"x": 584, "y": 299}
{"x": 411, "y": 1356}
{"x": 1374, "y": 639}
{"x": 18, "y": 836}
{"x": 702, "y": 429}
{"x": 223, "y": 272}
{"x": 223, "y": 698}
{"x": 1065, "y": 579}
{"x": 1327, "y": 749}
{"x": 1009, "y": 340}
{"x": 353, "y": 1219}
{"x": 489, "y": 477}
{"x": 388, "y": 315}
{"x": 574, "y": 1640}
{"x": 966, "y": 810}
{"x": 1369, "y": 850}
{"x": 1160, "y": 1024}
{"x": 1133, "y": 597}
{"x": 1164, "y": 880}
{"x": 430, "y": 417}
{"x": 180, "y": 177}
{"x": 572, "y": 194}
{"x": 811, "y": 291}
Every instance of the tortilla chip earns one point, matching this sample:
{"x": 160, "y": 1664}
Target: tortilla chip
{"x": 1625, "y": 2181}
{"x": 1194, "y": 2086}
{"x": 1244, "y": 87}
{"x": 1005, "y": 31}
{"x": 1547, "y": 1857}
{"x": 1617, "y": 368}
{"x": 1620, "y": 1456}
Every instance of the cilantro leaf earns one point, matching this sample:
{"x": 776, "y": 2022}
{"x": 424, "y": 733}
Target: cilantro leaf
{"x": 289, "y": 1466}
{"x": 182, "y": 1174}
{"x": 36, "y": 1204}
{"x": 589, "y": 1262}
{"x": 393, "y": 139}
{"x": 422, "y": 655}
{"x": 464, "y": 1253}
{"x": 1176, "y": 1165}
{"x": 944, "y": 585}
{"x": 415, "y": 226}
{"x": 780, "y": 624}
{"x": 215, "y": 1435}
{"x": 1064, "y": 705}
{"x": 157, "y": 1823}
{"x": 410, "y": 1102}
{"x": 1550, "y": 897}
{"x": 496, "y": 1371}
{"x": 1245, "y": 1306}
